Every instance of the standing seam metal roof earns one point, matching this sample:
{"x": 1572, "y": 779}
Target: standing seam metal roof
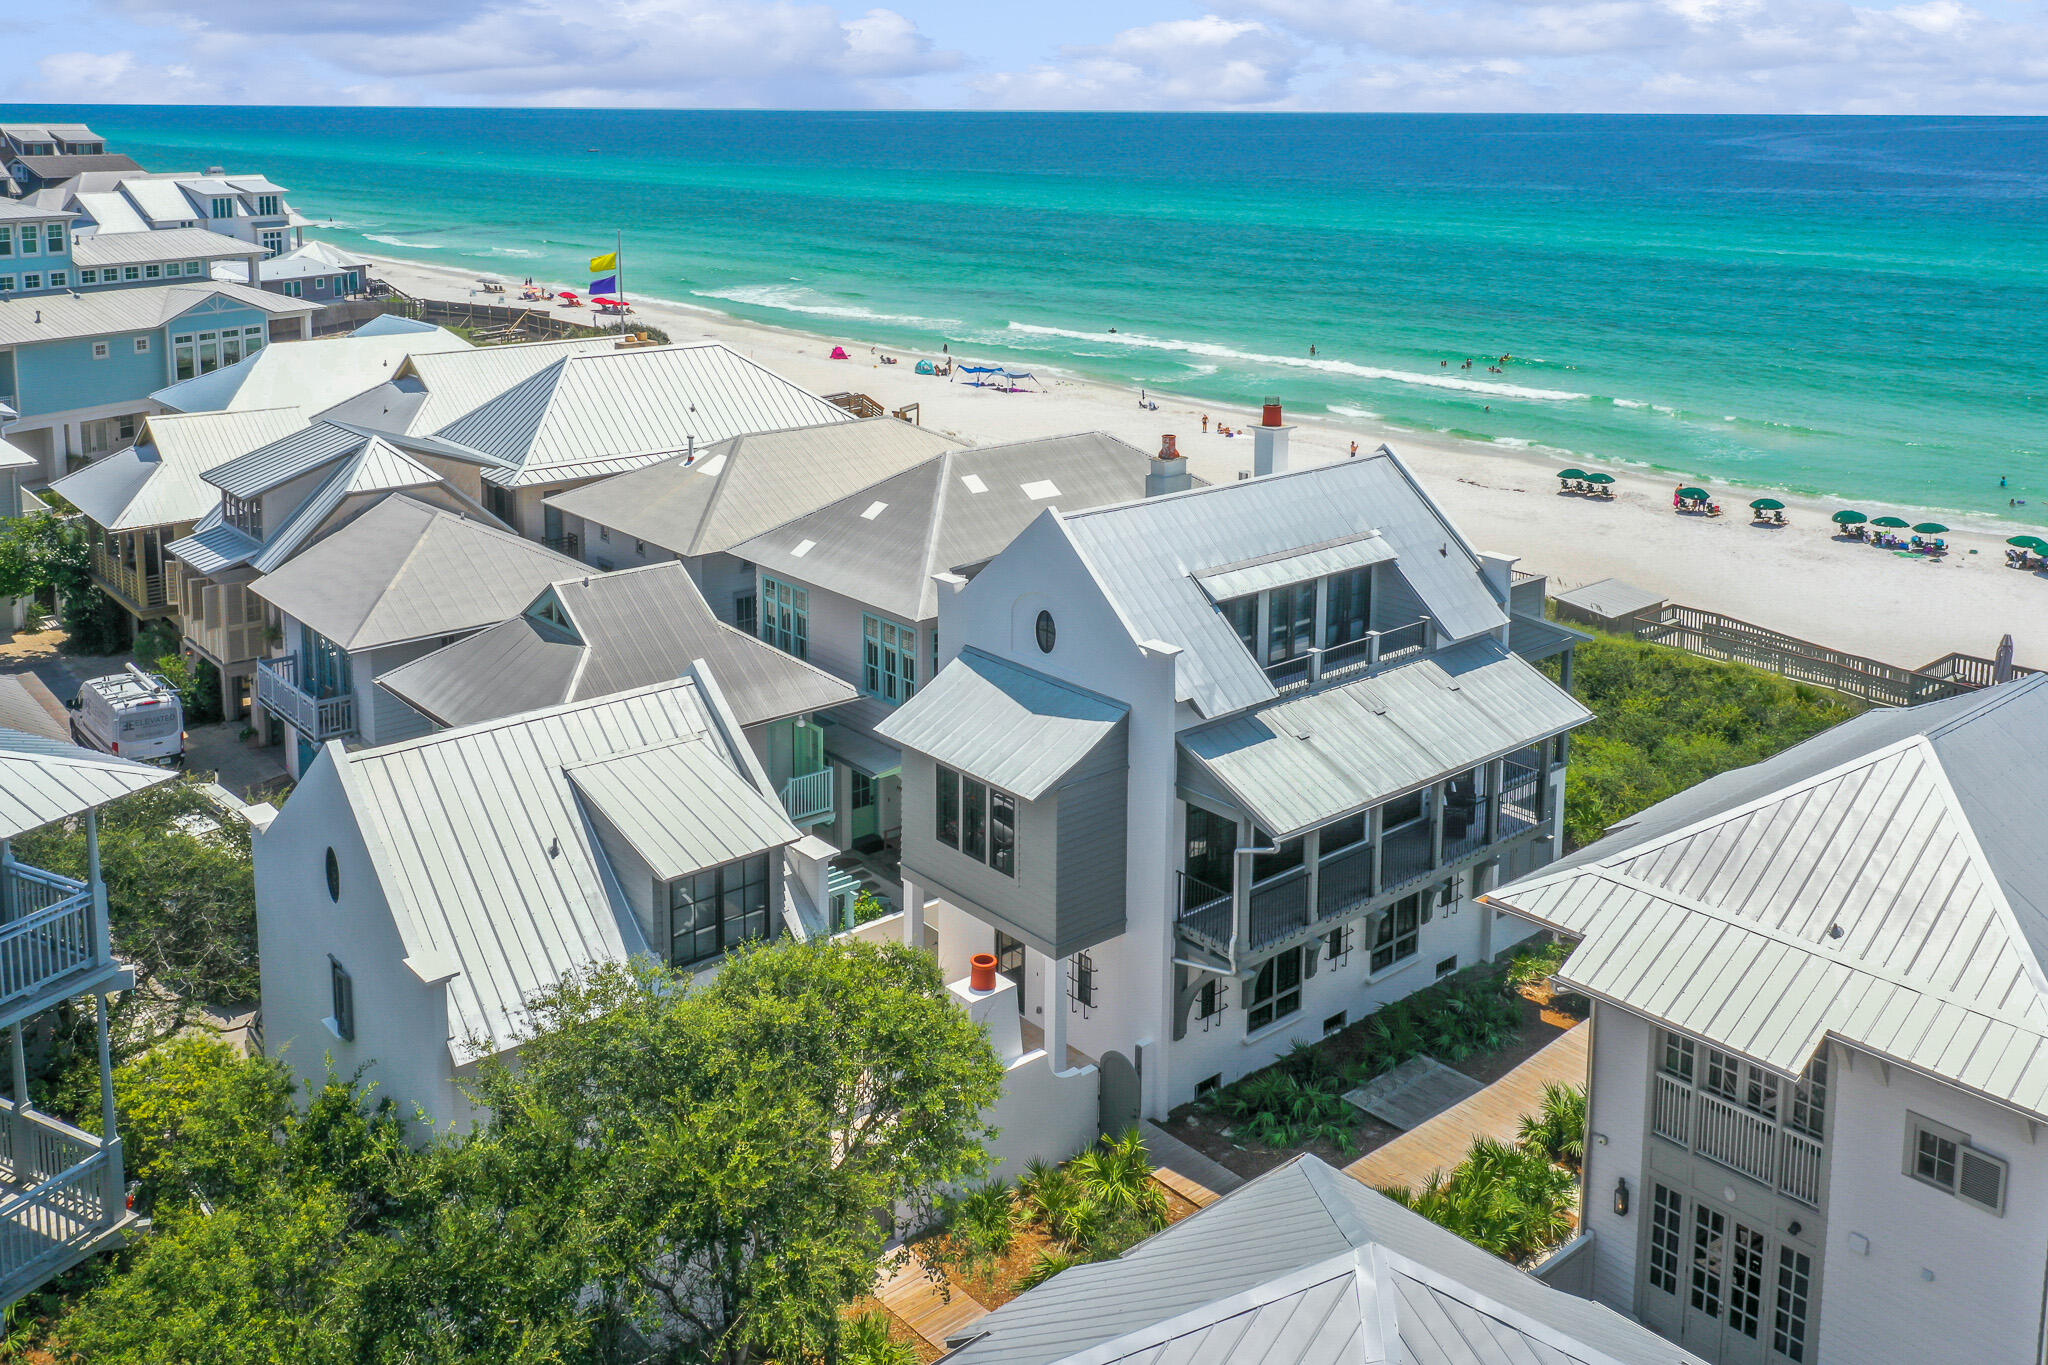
{"x": 158, "y": 480}
{"x": 34, "y": 318}
{"x": 45, "y": 780}
{"x": 728, "y": 819}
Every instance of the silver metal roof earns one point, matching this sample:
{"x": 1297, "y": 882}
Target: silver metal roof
{"x": 628, "y": 629}
{"x": 1882, "y": 888}
{"x": 609, "y": 411}
{"x": 1307, "y": 1266}
{"x": 1146, "y": 555}
{"x": 404, "y": 570}
{"x": 727, "y": 819}
{"x": 741, "y": 487}
{"x": 307, "y": 376}
{"x": 453, "y": 383}
{"x": 1536, "y": 637}
{"x": 44, "y": 780}
{"x": 157, "y": 481}
{"x": 214, "y": 546}
{"x": 170, "y": 244}
{"x": 482, "y": 848}
{"x": 297, "y": 453}
{"x": 1356, "y": 551}
{"x": 1609, "y": 597}
{"x": 1013, "y": 728}
{"x": 1307, "y": 760}
{"x": 14, "y": 210}
{"x": 22, "y": 708}
{"x": 881, "y": 545}
{"x": 32, "y": 318}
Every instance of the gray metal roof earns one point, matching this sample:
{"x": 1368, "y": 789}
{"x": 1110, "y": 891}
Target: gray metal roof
{"x": 728, "y": 818}
{"x": 1306, "y": 760}
{"x": 22, "y": 708}
{"x": 308, "y": 376}
{"x": 290, "y": 456}
{"x": 609, "y": 411}
{"x": 1307, "y": 1266}
{"x": 57, "y": 317}
{"x": 629, "y": 629}
{"x": 404, "y": 570}
{"x": 741, "y": 487}
{"x": 170, "y": 244}
{"x": 1609, "y": 597}
{"x": 452, "y": 383}
{"x": 1536, "y": 637}
{"x": 44, "y": 780}
{"x": 1013, "y": 728}
{"x": 157, "y": 481}
{"x": 1146, "y": 556}
{"x": 14, "y": 210}
{"x": 1882, "y": 887}
{"x": 1356, "y": 551}
{"x": 881, "y": 544}
{"x": 214, "y": 546}
{"x": 482, "y": 848}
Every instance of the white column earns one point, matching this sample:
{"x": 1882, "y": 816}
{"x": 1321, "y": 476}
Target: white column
{"x": 1055, "y": 1010}
{"x": 913, "y": 913}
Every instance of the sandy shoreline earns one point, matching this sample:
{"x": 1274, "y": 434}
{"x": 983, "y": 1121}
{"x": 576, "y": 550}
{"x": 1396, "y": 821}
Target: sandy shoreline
{"x": 1796, "y": 578}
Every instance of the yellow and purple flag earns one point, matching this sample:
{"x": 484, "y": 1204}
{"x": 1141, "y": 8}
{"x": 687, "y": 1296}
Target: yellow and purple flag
{"x": 600, "y": 264}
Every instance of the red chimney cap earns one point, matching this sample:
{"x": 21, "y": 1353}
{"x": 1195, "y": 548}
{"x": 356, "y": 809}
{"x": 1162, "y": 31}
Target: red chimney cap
{"x": 1168, "y": 448}
{"x": 1272, "y": 414}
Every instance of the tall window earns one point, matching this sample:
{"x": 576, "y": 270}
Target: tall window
{"x": 1082, "y": 981}
{"x": 1290, "y": 622}
{"x": 786, "y": 617}
{"x": 1211, "y": 852}
{"x": 266, "y": 205}
{"x": 1788, "y": 1322}
{"x": 1667, "y": 1234}
{"x": 344, "y": 993}
{"x": 1399, "y": 932}
{"x": 223, "y": 208}
{"x": 1244, "y": 619}
{"x": 977, "y": 819}
{"x": 7, "y": 240}
{"x": 273, "y": 242}
{"x": 1349, "y": 609}
{"x": 888, "y": 660}
{"x": 244, "y": 514}
{"x": 1275, "y": 992}
{"x": 53, "y": 239}
{"x": 711, "y": 913}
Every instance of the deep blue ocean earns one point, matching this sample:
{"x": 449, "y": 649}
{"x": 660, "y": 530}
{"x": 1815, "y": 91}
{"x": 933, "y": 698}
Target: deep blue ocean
{"x": 1828, "y": 305}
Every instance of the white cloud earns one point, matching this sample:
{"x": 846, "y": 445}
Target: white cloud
{"x": 1204, "y": 63}
{"x": 104, "y": 77}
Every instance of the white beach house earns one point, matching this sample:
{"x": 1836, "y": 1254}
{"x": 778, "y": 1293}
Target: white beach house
{"x": 1820, "y": 1044}
{"x": 1216, "y": 771}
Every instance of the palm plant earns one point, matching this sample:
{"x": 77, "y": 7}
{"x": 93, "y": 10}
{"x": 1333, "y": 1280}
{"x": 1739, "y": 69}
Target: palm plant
{"x": 1558, "y": 1129}
{"x": 866, "y": 1339}
{"x": 1116, "y": 1175}
{"x": 1049, "y": 1264}
{"x": 983, "y": 1223}
{"x": 1055, "y": 1199}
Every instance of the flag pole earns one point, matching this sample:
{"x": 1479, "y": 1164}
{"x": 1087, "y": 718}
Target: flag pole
{"x": 619, "y": 273}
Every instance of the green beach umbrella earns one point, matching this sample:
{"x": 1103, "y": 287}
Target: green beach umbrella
{"x": 1571, "y": 473}
{"x": 1599, "y": 478}
{"x": 1931, "y": 528}
{"x": 1694, "y": 493}
{"x": 1896, "y": 523}
{"x": 2034, "y": 543}
{"x": 1849, "y": 518}
{"x": 1768, "y": 505}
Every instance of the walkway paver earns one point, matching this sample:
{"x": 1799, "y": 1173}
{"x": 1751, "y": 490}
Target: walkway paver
{"x": 909, "y": 1293}
{"x": 1184, "y": 1170}
{"x": 1494, "y": 1112}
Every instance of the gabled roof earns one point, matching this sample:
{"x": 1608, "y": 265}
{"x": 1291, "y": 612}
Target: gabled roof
{"x": 22, "y": 708}
{"x": 1307, "y": 1266}
{"x": 741, "y": 487}
{"x": 481, "y": 845}
{"x": 1008, "y": 726}
{"x": 14, "y": 210}
{"x": 306, "y": 375}
{"x": 431, "y": 390}
{"x": 111, "y": 211}
{"x": 627, "y": 630}
{"x": 728, "y": 819}
{"x": 404, "y": 570}
{"x": 157, "y": 481}
{"x": 1307, "y": 760}
{"x": 62, "y": 167}
{"x": 1882, "y": 884}
{"x": 104, "y": 248}
{"x": 25, "y": 320}
{"x": 881, "y": 545}
{"x": 607, "y": 412}
{"x": 1149, "y": 556}
{"x": 44, "y": 780}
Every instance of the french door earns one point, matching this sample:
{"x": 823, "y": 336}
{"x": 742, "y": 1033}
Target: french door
{"x": 1728, "y": 1291}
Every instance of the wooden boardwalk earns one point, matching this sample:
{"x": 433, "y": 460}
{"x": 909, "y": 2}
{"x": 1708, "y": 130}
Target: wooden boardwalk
{"x": 1441, "y": 1143}
{"x": 1184, "y": 1170}
{"x": 909, "y": 1293}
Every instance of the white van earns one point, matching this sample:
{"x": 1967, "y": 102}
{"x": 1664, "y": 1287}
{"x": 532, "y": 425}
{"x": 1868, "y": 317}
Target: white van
{"x": 134, "y": 714}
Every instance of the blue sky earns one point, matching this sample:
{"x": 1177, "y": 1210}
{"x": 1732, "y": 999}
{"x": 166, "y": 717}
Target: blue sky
{"x": 1763, "y": 56}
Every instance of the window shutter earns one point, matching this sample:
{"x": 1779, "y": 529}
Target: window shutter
{"x": 1981, "y": 1180}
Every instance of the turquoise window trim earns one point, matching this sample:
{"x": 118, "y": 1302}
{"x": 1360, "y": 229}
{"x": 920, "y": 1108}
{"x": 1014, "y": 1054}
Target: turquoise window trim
{"x": 889, "y": 659}
{"x": 785, "y": 616}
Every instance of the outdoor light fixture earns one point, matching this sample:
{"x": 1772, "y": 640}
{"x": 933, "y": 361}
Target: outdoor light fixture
{"x": 1621, "y": 1196}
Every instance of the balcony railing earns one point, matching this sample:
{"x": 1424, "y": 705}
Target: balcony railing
{"x": 48, "y": 930}
{"x": 1740, "y": 1139}
{"x": 128, "y": 582}
{"x": 808, "y": 799}
{"x": 1351, "y": 659}
{"x": 317, "y": 718}
{"x": 63, "y": 1199}
{"x": 569, "y": 543}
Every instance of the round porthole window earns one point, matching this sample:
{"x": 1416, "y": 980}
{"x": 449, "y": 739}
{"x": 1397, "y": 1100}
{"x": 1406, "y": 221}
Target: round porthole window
{"x": 1047, "y": 633}
{"x": 333, "y": 876}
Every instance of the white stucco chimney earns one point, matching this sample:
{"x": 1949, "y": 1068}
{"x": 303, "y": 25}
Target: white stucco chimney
{"x": 1169, "y": 472}
{"x": 1269, "y": 441}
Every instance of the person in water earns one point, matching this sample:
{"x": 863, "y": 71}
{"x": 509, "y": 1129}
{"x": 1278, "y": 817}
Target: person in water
{"x": 1311, "y": 350}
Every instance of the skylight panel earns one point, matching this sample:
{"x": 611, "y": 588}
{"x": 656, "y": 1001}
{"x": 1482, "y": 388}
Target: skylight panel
{"x": 875, "y": 509}
{"x": 1040, "y": 489}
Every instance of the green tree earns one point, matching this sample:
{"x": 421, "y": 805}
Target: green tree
{"x": 43, "y": 553}
{"x": 731, "y": 1143}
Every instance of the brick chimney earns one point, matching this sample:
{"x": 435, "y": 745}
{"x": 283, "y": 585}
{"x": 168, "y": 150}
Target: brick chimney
{"x": 1169, "y": 472}
{"x": 1269, "y": 441}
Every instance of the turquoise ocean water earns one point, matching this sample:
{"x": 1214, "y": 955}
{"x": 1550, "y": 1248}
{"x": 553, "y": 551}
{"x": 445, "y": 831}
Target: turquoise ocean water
{"x": 1826, "y": 305}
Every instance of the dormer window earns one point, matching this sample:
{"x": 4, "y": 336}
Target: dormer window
{"x": 223, "y": 208}
{"x": 266, "y": 205}
{"x": 548, "y": 609}
{"x": 244, "y": 514}
{"x": 711, "y": 913}
{"x": 1281, "y": 625}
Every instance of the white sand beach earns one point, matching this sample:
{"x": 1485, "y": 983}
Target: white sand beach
{"x": 1796, "y": 578}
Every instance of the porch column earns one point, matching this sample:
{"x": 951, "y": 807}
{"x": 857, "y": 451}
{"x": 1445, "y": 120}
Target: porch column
{"x": 116, "y": 1186}
{"x": 1564, "y": 672}
{"x": 913, "y": 913}
{"x": 1543, "y": 782}
{"x": 1485, "y": 877}
{"x": 1496, "y": 776}
{"x": 97, "y": 887}
{"x": 1241, "y": 888}
{"x": 1376, "y": 830}
{"x": 18, "y": 1117}
{"x": 1056, "y": 1011}
{"x": 1312, "y": 857}
{"x": 1436, "y": 823}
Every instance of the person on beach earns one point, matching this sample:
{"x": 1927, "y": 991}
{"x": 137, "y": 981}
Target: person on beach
{"x": 1205, "y": 424}
{"x": 1354, "y": 450}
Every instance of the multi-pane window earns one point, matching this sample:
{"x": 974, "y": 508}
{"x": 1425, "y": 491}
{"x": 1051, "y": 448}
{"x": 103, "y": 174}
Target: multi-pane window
{"x": 343, "y": 990}
{"x": 1398, "y": 934}
{"x": 7, "y": 240}
{"x": 266, "y": 205}
{"x": 1243, "y": 613}
{"x": 273, "y": 242}
{"x": 1677, "y": 1058}
{"x": 1275, "y": 991}
{"x": 1290, "y": 622}
{"x": 58, "y": 279}
{"x": 888, "y": 659}
{"x": 786, "y": 617}
{"x": 53, "y": 238}
{"x": 6, "y": 284}
{"x": 152, "y": 272}
{"x": 977, "y": 819}
{"x": 1082, "y": 980}
{"x": 1667, "y": 1232}
{"x": 223, "y": 208}
{"x": 1810, "y": 1098}
{"x": 1746, "y": 1280}
{"x": 860, "y": 790}
{"x": 1709, "y": 1231}
{"x": 1347, "y": 612}
{"x": 32, "y": 280}
{"x": 1934, "y": 1158}
{"x": 294, "y": 288}
{"x": 88, "y": 277}
{"x": 131, "y": 272}
{"x": 244, "y": 514}
{"x": 1944, "y": 1158}
{"x": 713, "y": 912}
{"x": 1788, "y": 1319}
{"x": 1337, "y": 946}
{"x": 30, "y": 243}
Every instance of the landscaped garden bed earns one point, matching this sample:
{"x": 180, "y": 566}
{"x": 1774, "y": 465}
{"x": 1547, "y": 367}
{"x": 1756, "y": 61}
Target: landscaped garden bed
{"x": 1484, "y": 1022}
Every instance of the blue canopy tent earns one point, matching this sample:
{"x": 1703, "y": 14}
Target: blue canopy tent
{"x": 1015, "y": 376}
